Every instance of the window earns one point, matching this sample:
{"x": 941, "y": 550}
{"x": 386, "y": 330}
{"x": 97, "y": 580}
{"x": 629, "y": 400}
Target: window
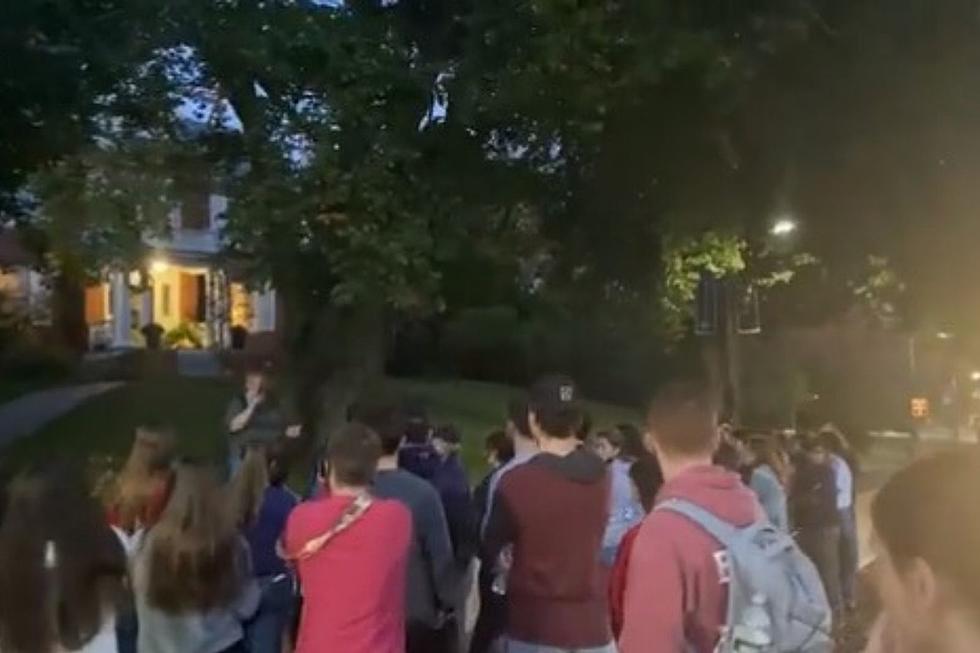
{"x": 165, "y": 300}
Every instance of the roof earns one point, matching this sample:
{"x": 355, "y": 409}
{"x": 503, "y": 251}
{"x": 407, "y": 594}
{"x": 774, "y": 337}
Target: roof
{"x": 12, "y": 251}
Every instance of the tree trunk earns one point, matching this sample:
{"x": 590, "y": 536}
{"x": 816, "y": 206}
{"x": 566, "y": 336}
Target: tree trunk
{"x": 68, "y": 312}
{"x": 334, "y": 355}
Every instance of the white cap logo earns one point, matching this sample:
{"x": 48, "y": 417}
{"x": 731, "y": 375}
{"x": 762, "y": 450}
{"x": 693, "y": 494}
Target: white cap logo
{"x": 566, "y": 393}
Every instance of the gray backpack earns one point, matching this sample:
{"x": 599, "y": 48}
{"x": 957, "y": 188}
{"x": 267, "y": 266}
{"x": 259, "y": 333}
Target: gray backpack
{"x": 776, "y": 600}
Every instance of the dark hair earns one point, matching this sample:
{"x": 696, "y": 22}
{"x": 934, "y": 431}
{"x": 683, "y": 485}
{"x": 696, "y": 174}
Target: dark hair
{"x": 447, "y": 433}
{"x": 194, "y": 559}
{"x": 613, "y": 437}
{"x": 501, "y": 445}
{"x": 927, "y": 511}
{"x": 833, "y": 441}
{"x": 553, "y": 401}
{"x": 387, "y": 422}
{"x": 353, "y": 453}
{"x": 585, "y": 428}
{"x": 279, "y": 463}
{"x": 812, "y": 443}
{"x": 633, "y": 446}
{"x": 683, "y": 418}
{"x": 648, "y": 478}
{"x": 517, "y": 415}
{"x": 51, "y": 509}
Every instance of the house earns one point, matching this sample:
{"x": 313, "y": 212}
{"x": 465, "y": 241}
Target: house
{"x": 185, "y": 286}
{"x": 23, "y": 291}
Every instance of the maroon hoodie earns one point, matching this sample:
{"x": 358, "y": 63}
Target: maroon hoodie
{"x": 676, "y": 596}
{"x": 553, "y": 510}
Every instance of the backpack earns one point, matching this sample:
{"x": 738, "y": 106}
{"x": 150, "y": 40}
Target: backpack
{"x": 773, "y": 587}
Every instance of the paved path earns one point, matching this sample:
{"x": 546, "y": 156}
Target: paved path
{"x": 198, "y": 363}
{"x": 27, "y": 414}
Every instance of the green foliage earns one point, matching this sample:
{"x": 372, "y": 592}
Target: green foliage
{"x": 183, "y": 336}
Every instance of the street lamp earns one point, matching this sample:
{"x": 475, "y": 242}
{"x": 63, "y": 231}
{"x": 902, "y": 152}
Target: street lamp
{"x": 783, "y": 227}
{"x": 945, "y": 335}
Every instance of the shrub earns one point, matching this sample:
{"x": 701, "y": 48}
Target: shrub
{"x": 185, "y": 336}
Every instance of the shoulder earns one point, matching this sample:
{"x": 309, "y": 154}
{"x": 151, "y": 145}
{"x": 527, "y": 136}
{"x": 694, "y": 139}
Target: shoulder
{"x": 393, "y": 514}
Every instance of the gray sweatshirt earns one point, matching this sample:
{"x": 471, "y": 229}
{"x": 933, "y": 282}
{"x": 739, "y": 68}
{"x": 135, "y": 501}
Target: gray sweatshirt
{"x": 191, "y": 632}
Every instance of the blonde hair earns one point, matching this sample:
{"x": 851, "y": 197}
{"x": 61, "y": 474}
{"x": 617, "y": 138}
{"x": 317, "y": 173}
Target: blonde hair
{"x": 138, "y": 481}
{"x": 248, "y": 487}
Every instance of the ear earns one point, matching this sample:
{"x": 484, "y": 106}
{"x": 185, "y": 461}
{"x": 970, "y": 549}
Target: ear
{"x": 532, "y": 421}
{"x": 922, "y": 585}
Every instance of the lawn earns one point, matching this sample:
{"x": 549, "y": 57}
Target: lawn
{"x": 103, "y": 427}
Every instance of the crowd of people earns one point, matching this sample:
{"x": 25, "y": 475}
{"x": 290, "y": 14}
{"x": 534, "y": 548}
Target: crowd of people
{"x": 684, "y": 535}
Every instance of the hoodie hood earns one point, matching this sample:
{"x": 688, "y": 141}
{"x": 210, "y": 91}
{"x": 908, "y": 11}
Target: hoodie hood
{"x": 717, "y": 490}
{"x": 580, "y": 466}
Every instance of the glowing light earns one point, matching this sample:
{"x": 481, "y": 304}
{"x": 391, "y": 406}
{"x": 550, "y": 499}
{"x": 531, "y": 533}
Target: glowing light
{"x": 158, "y": 266}
{"x": 975, "y": 375}
{"x": 944, "y": 335}
{"x": 783, "y": 227}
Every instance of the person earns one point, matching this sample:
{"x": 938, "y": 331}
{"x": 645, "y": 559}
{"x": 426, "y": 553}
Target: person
{"x": 432, "y": 579}
{"x": 646, "y": 480}
{"x": 814, "y": 501}
{"x": 676, "y": 594}
{"x": 633, "y": 448}
{"x": 525, "y": 448}
{"x": 450, "y": 480}
{"x": 927, "y": 579}
{"x": 261, "y": 506}
{"x": 498, "y": 450}
{"x": 61, "y": 567}
{"x": 624, "y": 509}
{"x": 490, "y": 617}
{"x": 417, "y": 453}
{"x": 551, "y": 513}
{"x": 134, "y": 502}
{"x": 254, "y": 416}
{"x": 766, "y": 480}
{"x": 351, "y": 551}
{"x": 844, "y": 474}
{"x": 192, "y": 576}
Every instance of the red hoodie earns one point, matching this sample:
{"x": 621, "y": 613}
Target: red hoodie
{"x": 675, "y": 595}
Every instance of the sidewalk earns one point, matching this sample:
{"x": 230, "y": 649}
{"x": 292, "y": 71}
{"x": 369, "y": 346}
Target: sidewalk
{"x": 27, "y": 414}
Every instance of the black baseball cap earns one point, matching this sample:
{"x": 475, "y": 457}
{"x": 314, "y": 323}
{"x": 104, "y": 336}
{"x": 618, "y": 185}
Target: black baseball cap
{"x": 555, "y": 402}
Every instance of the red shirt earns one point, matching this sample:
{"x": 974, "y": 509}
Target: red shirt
{"x": 617, "y": 580}
{"x": 676, "y": 586}
{"x": 354, "y": 588}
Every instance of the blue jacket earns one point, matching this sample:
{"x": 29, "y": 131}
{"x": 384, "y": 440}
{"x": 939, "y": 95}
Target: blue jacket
{"x": 450, "y": 480}
{"x": 269, "y": 524}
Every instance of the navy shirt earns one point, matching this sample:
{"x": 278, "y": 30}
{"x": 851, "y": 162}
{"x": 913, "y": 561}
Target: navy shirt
{"x": 262, "y": 535}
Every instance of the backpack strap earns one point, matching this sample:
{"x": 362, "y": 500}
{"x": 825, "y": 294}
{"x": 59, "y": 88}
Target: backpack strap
{"x": 354, "y": 512}
{"x": 721, "y": 530}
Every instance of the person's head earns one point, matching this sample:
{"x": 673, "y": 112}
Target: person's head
{"x": 608, "y": 445}
{"x": 682, "y": 422}
{"x": 249, "y": 485}
{"x": 446, "y": 440}
{"x": 194, "y": 560}
{"x": 647, "y": 479}
{"x": 61, "y": 566}
{"x": 517, "y": 425}
{"x": 499, "y": 448}
{"x": 632, "y": 441}
{"x": 415, "y": 419}
{"x": 928, "y": 535}
{"x": 386, "y": 420}
{"x": 256, "y": 380}
{"x": 150, "y": 459}
{"x": 833, "y": 440}
{"x": 554, "y": 410}
{"x": 815, "y": 451}
{"x": 764, "y": 450}
{"x": 352, "y": 457}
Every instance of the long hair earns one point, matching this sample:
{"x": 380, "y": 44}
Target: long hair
{"x": 193, "y": 553}
{"x": 61, "y": 567}
{"x": 129, "y": 497}
{"x": 249, "y": 485}
{"x": 768, "y": 452}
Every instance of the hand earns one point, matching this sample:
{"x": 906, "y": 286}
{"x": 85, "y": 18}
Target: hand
{"x": 294, "y": 430}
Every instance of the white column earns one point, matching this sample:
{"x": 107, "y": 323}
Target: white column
{"x": 264, "y": 310}
{"x": 121, "y": 318}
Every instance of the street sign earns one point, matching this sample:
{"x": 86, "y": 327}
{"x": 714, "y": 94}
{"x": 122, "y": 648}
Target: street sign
{"x": 919, "y": 407}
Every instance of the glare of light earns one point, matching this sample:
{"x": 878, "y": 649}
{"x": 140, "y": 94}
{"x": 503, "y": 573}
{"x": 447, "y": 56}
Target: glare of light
{"x": 157, "y": 266}
{"x": 783, "y": 227}
{"x": 975, "y": 375}
{"x": 944, "y": 335}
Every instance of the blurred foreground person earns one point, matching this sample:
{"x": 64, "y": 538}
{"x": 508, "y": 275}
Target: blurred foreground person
{"x": 192, "y": 576}
{"x": 61, "y": 568}
{"x": 351, "y": 550}
{"x": 927, "y": 573}
{"x": 261, "y": 503}
{"x": 545, "y": 533}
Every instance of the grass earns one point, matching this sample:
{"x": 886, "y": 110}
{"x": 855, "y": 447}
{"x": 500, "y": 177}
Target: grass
{"x": 103, "y": 427}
